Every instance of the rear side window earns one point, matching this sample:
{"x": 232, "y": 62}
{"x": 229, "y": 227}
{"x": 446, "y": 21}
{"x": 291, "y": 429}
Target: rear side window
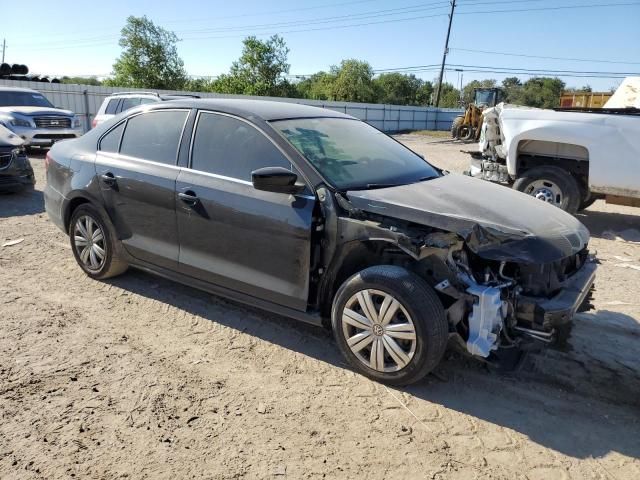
{"x": 128, "y": 103}
{"x": 112, "y": 106}
{"x": 111, "y": 141}
{"x": 154, "y": 136}
{"x": 145, "y": 100}
{"x": 230, "y": 147}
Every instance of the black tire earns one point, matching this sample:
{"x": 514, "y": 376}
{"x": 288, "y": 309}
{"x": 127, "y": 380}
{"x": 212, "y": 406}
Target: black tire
{"x": 421, "y": 303}
{"x": 587, "y": 202}
{"x": 571, "y": 196}
{"x": 455, "y": 126}
{"x": 113, "y": 262}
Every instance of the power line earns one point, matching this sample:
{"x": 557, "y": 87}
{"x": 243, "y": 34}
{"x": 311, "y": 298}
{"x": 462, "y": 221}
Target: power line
{"x": 94, "y": 41}
{"x": 544, "y": 57}
{"x": 354, "y": 16}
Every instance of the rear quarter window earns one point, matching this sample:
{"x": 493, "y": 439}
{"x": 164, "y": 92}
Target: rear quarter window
{"x": 111, "y": 141}
{"x": 128, "y": 103}
{"x": 112, "y": 106}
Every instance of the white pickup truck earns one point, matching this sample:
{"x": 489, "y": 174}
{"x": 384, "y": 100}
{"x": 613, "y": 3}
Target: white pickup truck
{"x": 565, "y": 157}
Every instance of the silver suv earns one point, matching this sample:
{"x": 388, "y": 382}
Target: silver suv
{"x": 34, "y": 119}
{"x": 120, "y": 102}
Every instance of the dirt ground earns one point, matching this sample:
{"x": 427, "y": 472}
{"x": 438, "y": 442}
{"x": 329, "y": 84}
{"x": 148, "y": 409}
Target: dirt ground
{"x": 142, "y": 378}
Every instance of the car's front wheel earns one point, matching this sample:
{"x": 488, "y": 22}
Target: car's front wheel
{"x": 94, "y": 244}
{"x": 389, "y": 324}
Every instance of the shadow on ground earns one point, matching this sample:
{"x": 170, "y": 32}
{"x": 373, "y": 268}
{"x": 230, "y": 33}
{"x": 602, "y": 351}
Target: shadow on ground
{"x": 544, "y": 401}
{"x": 625, "y": 226}
{"x": 26, "y": 202}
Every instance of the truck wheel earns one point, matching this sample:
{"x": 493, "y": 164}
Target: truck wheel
{"x": 587, "y": 202}
{"x": 553, "y": 185}
{"x": 389, "y": 324}
{"x": 455, "y": 126}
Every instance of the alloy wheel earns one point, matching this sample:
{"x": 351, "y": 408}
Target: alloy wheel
{"x": 546, "y": 191}
{"x": 379, "y": 331}
{"x": 89, "y": 243}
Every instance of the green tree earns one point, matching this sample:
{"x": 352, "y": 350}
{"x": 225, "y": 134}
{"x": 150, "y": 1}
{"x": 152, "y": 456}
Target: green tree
{"x": 513, "y": 89}
{"x": 468, "y": 94}
{"x": 81, "y": 80}
{"x": 399, "y": 89}
{"x": 149, "y": 58}
{"x": 259, "y": 71}
{"x": 450, "y": 96}
{"x": 542, "y": 92}
{"x": 425, "y": 93}
{"x": 353, "y": 82}
{"x": 318, "y": 86}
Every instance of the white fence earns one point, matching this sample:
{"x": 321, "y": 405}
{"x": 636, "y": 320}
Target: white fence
{"x": 85, "y": 100}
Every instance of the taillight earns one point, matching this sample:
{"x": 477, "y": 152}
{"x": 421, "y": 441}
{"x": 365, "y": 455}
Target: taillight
{"x": 94, "y": 122}
{"x": 47, "y": 161}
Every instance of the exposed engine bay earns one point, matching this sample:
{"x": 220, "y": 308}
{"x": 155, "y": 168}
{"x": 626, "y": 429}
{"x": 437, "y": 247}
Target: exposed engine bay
{"x": 501, "y": 286}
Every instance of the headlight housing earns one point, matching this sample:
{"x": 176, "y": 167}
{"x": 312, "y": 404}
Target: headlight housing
{"x": 76, "y": 122}
{"x": 19, "y": 122}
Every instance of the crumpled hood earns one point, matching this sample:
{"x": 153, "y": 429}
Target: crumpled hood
{"x": 35, "y": 111}
{"x": 496, "y": 222}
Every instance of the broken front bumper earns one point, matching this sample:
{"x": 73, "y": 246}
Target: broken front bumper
{"x": 546, "y": 314}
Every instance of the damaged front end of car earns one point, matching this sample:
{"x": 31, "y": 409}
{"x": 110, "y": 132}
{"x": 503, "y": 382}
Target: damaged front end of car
{"x": 502, "y": 286}
{"x": 16, "y": 172}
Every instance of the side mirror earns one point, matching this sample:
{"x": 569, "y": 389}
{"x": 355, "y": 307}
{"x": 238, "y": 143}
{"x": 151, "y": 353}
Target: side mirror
{"x": 276, "y": 179}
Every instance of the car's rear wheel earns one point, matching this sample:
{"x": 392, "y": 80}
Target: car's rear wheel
{"x": 552, "y": 185}
{"x": 389, "y": 324}
{"x": 94, "y": 244}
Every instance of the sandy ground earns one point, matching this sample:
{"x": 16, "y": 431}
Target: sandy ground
{"x": 139, "y": 377}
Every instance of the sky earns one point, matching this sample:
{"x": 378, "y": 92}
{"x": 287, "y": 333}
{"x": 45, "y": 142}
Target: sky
{"x": 81, "y": 38}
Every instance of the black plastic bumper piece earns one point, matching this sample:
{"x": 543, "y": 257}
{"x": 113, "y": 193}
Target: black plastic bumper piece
{"x": 549, "y": 313}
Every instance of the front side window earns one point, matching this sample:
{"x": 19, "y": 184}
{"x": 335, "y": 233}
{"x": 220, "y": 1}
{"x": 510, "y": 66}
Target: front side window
{"x": 154, "y": 136}
{"x": 351, "y": 154}
{"x": 111, "y": 141}
{"x": 229, "y": 147}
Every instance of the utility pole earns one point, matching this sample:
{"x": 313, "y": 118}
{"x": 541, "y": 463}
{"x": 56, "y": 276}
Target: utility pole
{"x": 461, "y": 73}
{"x": 444, "y": 56}
{"x": 4, "y": 47}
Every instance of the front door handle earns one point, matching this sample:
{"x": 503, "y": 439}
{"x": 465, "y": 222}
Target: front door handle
{"x": 108, "y": 179}
{"x": 189, "y": 198}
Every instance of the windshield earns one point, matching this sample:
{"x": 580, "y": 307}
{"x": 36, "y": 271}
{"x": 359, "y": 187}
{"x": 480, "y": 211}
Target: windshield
{"x": 353, "y": 155}
{"x": 23, "y": 99}
{"x": 484, "y": 97}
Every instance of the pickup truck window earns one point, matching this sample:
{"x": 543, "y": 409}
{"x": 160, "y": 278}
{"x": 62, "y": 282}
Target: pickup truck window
{"x": 352, "y": 155}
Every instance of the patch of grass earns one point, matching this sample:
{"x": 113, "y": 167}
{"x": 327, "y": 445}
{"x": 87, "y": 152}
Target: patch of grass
{"x": 433, "y": 133}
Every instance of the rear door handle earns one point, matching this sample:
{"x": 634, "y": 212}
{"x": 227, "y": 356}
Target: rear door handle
{"x": 108, "y": 178}
{"x": 189, "y": 198}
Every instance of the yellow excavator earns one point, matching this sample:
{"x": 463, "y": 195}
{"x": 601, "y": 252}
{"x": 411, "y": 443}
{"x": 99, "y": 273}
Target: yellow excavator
{"x": 467, "y": 127}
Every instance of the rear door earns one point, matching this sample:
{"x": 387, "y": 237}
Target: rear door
{"x": 254, "y": 242}
{"x": 137, "y": 169}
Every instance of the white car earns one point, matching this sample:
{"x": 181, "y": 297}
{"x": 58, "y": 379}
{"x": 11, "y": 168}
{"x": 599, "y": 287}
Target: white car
{"x": 29, "y": 115}
{"x": 568, "y": 158}
{"x": 120, "y": 102}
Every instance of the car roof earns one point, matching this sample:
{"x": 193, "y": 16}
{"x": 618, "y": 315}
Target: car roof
{"x": 264, "y": 109}
{"x": 16, "y": 89}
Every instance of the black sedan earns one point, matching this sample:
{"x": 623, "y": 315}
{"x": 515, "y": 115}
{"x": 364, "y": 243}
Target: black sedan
{"x": 320, "y": 217}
